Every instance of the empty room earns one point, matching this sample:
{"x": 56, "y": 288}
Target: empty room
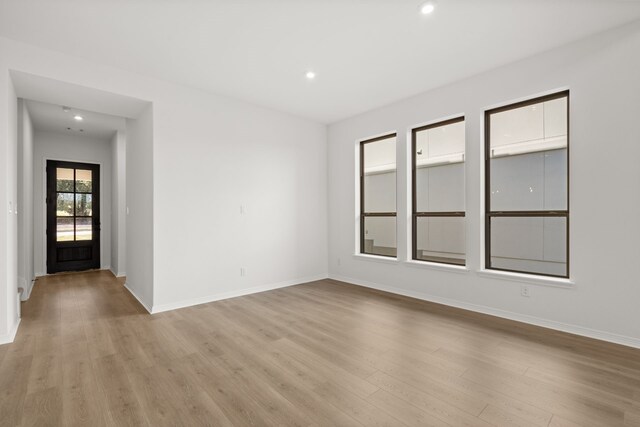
{"x": 320, "y": 213}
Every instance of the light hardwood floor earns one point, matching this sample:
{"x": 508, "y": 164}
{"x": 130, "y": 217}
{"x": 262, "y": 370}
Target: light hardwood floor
{"x": 323, "y": 353}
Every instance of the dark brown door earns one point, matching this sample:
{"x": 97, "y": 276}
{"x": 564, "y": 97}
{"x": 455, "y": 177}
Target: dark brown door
{"x": 73, "y": 216}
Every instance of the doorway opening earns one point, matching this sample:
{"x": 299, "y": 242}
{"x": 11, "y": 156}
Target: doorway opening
{"x": 75, "y": 147}
{"x": 73, "y": 216}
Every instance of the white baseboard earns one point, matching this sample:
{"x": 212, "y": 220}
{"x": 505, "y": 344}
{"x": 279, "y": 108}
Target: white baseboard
{"x": 117, "y": 273}
{"x": 7, "y": 339}
{"x": 232, "y": 294}
{"x": 126, "y": 286}
{"x": 532, "y": 320}
{"x": 27, "y": 293}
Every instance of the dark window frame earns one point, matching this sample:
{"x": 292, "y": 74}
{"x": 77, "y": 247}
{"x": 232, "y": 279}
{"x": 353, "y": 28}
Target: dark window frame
{"x": 529, "y": 214}
{"x": 363, "y": 213}
{"x": 415, "y": 214}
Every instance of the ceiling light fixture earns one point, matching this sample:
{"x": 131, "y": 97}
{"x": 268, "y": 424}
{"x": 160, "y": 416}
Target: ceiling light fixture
{"x": 427, "y": 8}
{"x": 78, "y": 118}
{"x": 310, "y": 75}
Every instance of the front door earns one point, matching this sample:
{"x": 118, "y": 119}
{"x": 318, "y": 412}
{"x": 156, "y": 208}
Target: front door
{"x": 73, "y": 216}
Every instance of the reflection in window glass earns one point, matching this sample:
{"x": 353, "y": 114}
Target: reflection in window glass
{"x": 531, "y": 244}
{"x": 528, "y": 149}
{"x": 439, "y": 193}
{"x": 527, "y": 193}
{"x": 378, "y": 196}
{"x": 380, "y": 175}
{"x": 380, "y": 235}
{"x": 530, "y": 182}
{"x": 441, "y": 239}
{"x": 440, "y": 188}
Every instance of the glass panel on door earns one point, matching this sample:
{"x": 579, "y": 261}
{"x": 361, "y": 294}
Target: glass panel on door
{"x": 74, "y": 204}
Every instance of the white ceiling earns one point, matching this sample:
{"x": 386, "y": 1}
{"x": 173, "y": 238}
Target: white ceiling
{"x": 366, "y": 53}
{"x": 52, "y": 118}
{"x": 51, "y": 91}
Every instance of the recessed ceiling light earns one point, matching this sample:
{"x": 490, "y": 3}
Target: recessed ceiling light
{"x": 427, "y": 8}
{"x": 78, "y": 118}
{"x": 310, "y": 75}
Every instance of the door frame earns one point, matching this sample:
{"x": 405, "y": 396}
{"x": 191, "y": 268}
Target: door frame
{"x": 43, "y": 206}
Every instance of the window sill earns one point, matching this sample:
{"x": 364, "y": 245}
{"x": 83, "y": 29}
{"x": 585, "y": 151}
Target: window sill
{"x": 557, "y": 282}
{"x": 437, "y": 266}
{"x": 376, "y": 258}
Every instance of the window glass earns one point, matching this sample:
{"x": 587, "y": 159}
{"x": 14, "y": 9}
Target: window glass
{"x": 441, "y": 239}
{"x": 527, "y": 194}
{"x": 439, "y": 193}
{"x": 378, "y": 191}
{"x": 380, "y": 235}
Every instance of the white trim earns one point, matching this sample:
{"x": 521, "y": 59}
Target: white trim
{"x": 437, "y": 266}
{"x": 126, "y": 286}
{"x": 557, "y": 282}
{"x": 532, "y": 320}
{"x": 376, "y": 258}
{"x": 11, "y": 336}
{"x": 232, "y": 294}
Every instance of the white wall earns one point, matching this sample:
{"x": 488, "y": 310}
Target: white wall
{"x": 8, "y": 216}
{"x": 217, "y": 154}
{"x": 25, "y": 200}
{"x": 214, "y": 155}
{"x": 139, "y": 208}
{"x": 75, "y": 148}
{"x": 602, "y": 74}
{"x": 118, "y": 203}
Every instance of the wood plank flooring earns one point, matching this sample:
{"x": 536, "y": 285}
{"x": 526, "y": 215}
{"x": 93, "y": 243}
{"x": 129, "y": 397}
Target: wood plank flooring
{"x": 319, "y": 354}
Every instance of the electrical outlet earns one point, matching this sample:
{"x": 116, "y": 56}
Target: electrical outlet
{"x": 524, "y": 291}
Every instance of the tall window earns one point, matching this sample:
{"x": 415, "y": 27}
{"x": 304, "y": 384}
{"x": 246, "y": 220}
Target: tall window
{"x": 438, "y": 192}
{"x": 527, "y": 192}
{"x": 378, "y": 196}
